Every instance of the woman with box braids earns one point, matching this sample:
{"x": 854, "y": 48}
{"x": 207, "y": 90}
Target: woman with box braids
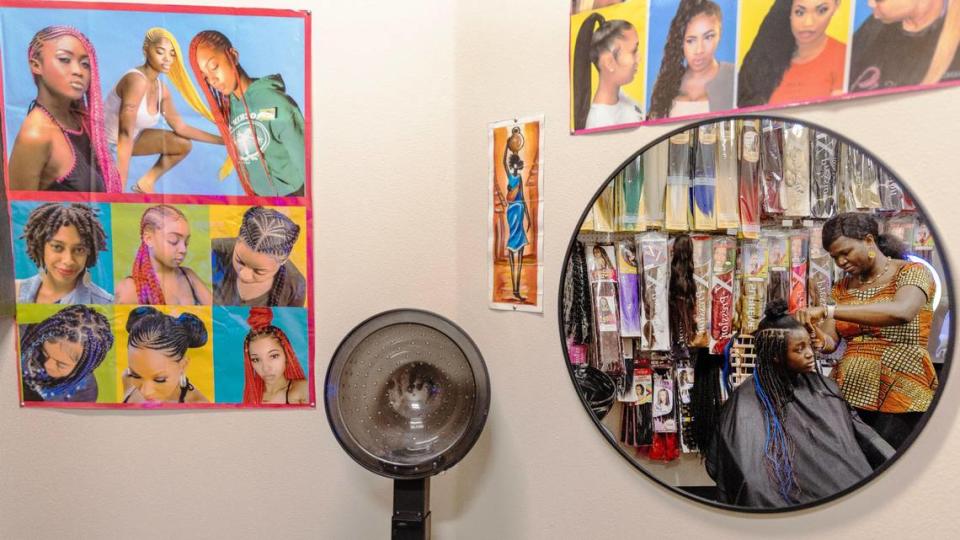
{"x": 61, "y": 145}
{"x": 58, "y": 355}
{"x": 802, "y": 418}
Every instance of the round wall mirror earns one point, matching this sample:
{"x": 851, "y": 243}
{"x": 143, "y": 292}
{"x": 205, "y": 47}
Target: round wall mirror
{"x": 755, "y": 312}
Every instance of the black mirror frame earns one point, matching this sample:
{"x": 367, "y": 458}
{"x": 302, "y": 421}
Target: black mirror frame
{"x": 921, "y": 425}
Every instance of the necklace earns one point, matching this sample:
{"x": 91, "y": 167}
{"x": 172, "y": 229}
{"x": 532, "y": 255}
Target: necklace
{"x": 876, "y": 277}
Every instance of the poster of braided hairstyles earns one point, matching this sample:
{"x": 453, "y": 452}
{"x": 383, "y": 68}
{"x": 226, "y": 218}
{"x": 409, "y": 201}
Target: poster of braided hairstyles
{"x": 156, "y": 173}
{"x": 642, "y": 62}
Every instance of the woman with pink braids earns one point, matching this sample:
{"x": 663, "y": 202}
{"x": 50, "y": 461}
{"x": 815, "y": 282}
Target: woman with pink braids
{"x": 61, "y": 145}
{"x": 157, "y": 277}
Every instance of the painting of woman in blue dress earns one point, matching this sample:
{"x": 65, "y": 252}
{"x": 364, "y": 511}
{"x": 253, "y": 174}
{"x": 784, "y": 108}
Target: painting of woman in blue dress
{"x": 518, "y": 215}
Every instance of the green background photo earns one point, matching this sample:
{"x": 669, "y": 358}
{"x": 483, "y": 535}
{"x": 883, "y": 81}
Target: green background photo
{"x": 106, "y": 372}
{"x": 126, "y": 238}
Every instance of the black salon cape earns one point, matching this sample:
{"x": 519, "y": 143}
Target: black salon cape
{"x": 832, "y": 448}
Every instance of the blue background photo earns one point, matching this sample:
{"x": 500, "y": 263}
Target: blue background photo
{"x": 101, "y": 274}
{"x": 267, "y": 45}
{"x": 229, "y": 331}
{"x": 661, "y": 15}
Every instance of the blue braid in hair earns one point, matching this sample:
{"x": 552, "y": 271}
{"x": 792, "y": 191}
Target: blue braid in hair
{"x": 77, "y": 323}
{"x": 776, "y": 446}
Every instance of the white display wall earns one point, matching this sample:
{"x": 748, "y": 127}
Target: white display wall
{"x": 402, "y": 97}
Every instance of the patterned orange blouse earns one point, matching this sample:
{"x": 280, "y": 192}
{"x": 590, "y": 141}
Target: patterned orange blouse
{"x": 887, "y": 368}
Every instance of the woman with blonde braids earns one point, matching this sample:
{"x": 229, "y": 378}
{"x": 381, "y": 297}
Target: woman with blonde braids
{"x": 133, "y": 109}
{"x": 61, "y": 145}
{"x": 262, "y": 127}
{"x": 157, "y": 277}
{"x": 254, "y": 269}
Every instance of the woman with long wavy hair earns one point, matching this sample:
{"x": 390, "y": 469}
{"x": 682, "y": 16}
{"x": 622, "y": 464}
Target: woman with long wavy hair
{"x": 807, "y": 65}
{"x": 691, "y": 80}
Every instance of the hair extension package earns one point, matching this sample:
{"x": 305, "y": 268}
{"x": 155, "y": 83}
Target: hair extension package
{"x": 603, "y": 280}
{"x": 823, "y": 176}
{"x": 684, "y": 378}
{"x": 722, "y": 292}
{"x": 604, "y": 210}
{"x": 704, "y": 190}
{"x": 846, "y": 178}
{"x": 891, "y": 195}
{"x": 771, "y": 165}
{"x": 655, "y": 334}
{"x": 702, "y": 253}
{"x": 627, "y": 275}
{"x": 629, "y": 191}
{"x": 749, "y": 178}
{"x": 798, "y": 271}
{"x": 637, "y": 422}
{"x": 654, "y": 184}
{"x": 727, "y": 207}
{"x": 753, "y": 263}
{"x": 778, "y": 257}
{"x": 821, "y": 269}
{"x": 795, "y": 193}
{"x": 678, "y": 182}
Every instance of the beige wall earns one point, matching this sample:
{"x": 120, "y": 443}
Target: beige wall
{"x": 402, "y": 96}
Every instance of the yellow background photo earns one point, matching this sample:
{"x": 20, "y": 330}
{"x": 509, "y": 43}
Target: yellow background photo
{"x": 107, "y": 388}
{"x": 200, "y": 368}
{"x": 634, "y": 11}
{"x": 225, "y": 223}
{"x": 752, "y": 13}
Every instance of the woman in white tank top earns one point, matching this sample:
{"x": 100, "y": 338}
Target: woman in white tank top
{"x": 133, "y": 109}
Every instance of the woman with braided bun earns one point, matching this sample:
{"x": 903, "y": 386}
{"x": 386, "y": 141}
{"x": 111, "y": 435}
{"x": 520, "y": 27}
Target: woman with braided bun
{"x": 611, "y": 47}
{"x": 158, "y": 276}
{"x": 272, "y": 373}
{"x": 59, "y": 354}
{"x": 786, "y": 436}
{"x": 691, "y": 80}
{"x": 157, "y": 356}
{"x": 63, "y": 240}
{"x": 254, "y": 269}
{"x": 61, "y": 145}
{"x": 882, "y": 309}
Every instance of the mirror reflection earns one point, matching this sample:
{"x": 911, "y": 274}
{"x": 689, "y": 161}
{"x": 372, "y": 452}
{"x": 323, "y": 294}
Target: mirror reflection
{"x": 756, "y": 313}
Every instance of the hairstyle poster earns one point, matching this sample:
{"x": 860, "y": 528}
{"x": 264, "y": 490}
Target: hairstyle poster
{"x": 703, "y": 58}
{"x": 157, "y": 174}
{"x": 515, "y": 221}
{"x": 607, "y": 52}
{"x": 699, "y": 36}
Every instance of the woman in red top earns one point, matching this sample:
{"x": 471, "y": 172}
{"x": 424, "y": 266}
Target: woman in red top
{"x": 809, "y": 66}
{"x": 883, "y": 310}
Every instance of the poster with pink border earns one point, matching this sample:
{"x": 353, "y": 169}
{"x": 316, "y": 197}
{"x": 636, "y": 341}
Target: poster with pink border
{"x": 642, "y": 62}
{"x": 156, "y": 170}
